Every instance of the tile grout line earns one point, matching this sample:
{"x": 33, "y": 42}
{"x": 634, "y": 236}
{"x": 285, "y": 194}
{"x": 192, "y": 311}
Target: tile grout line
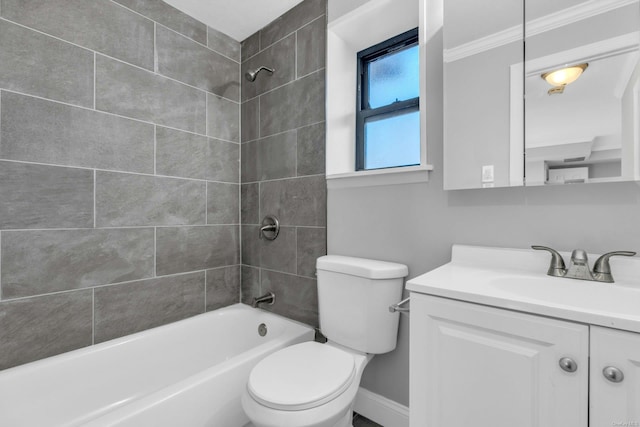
{"x": 271, "y": 270}
{"x": 240, "y": 228}
{"x": 285, "y": 227}
{"x": 93, "y": 316}
{"x": 94, "y": 80}
{"x": 184, "y": 35}
{"x": 95, "y": 52}
{"x": 240, "y": 282}
{"x": 115, "y": 115}
{"x": 155, "y": 150}
{"x": 259, "y": 202}
{"x": 201, "y": 44}
{"x": 95, "y": 213}
{"x": 45, "y": 34}
{"x": 0, "y": 230}
{"x": 1, "y": 265}
{"x": 151, "y": 175}
{"x": 295, "y": 256}
{"x": 311, "y": 22}
{"x": 285, "y": 178}
{"x": 286, "y": 84}
{"x": 259, "y": 223}
{"x": 240, "y": 181}
{"x": 155, "y": 251}
{"x": 296, "y": 150}
{"x": 105, "y": 285}
{"x": 281, "y": 132}
{"x": 259, "y": 102}
{"x": 260, "y": 50}
{"x": 155, "y": 48}
{"x": 166, "y": 77}
{"x": 126, "y": 227}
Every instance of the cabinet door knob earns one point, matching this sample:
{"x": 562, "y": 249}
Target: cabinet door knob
{"x": 613, "y": 374}
{"x": 568, "y": 364}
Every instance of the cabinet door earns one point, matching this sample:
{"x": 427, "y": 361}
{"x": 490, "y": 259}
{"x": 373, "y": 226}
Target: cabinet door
{"x": 473, "y": 365}
{"x": 615, "y": 401}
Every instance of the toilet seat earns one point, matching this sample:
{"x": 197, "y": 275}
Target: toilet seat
{"x": 302, "y": 376}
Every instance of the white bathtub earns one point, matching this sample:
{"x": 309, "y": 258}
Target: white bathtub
{"x": 188, "y": 373}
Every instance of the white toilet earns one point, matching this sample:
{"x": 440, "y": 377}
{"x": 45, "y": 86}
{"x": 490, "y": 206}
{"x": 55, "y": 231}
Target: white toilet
{"x": 313, "y": 384}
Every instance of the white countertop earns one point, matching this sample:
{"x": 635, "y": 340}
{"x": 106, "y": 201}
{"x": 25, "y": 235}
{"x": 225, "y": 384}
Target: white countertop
{"x": 516, "y": 279}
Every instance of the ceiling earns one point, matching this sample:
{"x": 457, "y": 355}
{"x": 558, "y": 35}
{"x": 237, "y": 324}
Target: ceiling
{"x": 236, "y": 18}
{"x": 588, "y": 109}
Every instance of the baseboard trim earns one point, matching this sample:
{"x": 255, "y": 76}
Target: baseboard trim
{"x": 383, "y": 411}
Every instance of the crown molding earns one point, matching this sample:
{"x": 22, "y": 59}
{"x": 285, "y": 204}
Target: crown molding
{"x": 484, "y": 44}
{"x": 589, "y": 52}
{"x": 534, "y": 27}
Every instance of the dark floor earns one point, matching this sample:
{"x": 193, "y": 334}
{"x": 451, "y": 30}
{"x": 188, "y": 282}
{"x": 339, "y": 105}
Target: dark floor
{"x": 360, "y": 421}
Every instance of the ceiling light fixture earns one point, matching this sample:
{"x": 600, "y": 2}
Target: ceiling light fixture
{"x": 563, "y": 76}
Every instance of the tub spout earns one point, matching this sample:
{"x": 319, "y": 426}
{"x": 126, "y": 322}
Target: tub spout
{"x": 268, "y": 298}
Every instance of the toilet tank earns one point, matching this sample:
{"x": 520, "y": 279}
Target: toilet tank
{"x": 354, "y": 295}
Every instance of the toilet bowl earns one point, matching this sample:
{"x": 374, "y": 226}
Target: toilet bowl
{"x": 313, "y": 384}
{"x": 305, "y": 385}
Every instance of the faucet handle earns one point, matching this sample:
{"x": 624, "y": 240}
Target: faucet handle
{"x": 557, "y": 267}
{"x": 602, "y": 268}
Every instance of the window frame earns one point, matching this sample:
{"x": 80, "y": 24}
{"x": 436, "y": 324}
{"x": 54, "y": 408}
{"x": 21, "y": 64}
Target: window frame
{"x": 363, "y": 112}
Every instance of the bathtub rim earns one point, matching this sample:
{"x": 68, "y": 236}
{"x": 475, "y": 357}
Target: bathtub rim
{"x": 140, "y": 405}
{"x": 289, "y": 329}
{"x": 72, "y": 354}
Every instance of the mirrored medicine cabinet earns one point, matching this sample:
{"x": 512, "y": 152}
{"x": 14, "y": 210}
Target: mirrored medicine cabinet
{"x": 549, "y": 99}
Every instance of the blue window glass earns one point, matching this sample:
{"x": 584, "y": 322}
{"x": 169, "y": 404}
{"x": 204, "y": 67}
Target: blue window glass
{"x": 388, "y": 118}
{"x": 392, "y": 140}
{"x": 394, "y": 77}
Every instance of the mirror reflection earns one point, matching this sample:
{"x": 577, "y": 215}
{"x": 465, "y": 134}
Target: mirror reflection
{"x": 581, "y": 91}
{"x": 578, "y": 120}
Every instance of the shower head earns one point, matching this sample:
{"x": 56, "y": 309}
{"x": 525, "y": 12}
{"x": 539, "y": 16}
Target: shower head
{"x": 252, "y": 74}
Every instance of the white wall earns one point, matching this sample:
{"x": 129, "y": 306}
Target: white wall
{"x": 416, "y": 224}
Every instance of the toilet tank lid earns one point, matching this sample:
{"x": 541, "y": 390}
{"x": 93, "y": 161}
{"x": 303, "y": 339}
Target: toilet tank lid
{"x": 362, "y": 267}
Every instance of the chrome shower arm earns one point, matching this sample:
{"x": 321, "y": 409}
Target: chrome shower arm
{"x": 252, "y": 74}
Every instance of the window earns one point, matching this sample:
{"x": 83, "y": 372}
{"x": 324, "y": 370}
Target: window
{"x": 388, "y": 113}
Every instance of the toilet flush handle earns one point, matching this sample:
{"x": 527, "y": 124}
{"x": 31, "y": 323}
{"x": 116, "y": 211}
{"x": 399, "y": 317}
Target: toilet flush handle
{"x": 398, "y": 307}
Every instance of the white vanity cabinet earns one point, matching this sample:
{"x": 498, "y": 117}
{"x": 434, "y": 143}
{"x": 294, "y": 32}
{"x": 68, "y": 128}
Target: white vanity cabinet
{"x": 615, "y": 378}
{"x": 496, "y": 342}
{"x": 480, "y": 366}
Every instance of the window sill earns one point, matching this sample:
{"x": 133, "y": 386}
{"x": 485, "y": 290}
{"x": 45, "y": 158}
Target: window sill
{"x": 372, "y": 178}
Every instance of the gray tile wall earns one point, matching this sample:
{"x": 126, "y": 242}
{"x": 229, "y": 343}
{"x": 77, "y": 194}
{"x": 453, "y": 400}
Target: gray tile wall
{"x": 283, "y": 160}
{"x": 119, "y": 172}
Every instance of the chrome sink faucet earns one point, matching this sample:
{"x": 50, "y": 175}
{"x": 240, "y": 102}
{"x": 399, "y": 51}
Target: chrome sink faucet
{"x": 579, "y": 268}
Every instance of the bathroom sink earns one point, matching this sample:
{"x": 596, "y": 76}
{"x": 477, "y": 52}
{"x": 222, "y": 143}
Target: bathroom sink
{"x": 516, "y": 279}
{"x": 604, "y": 297}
